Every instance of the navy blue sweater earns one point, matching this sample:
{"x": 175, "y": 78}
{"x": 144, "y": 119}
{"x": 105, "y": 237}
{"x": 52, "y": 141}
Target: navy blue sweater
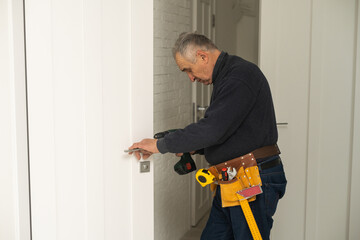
{"x": 240, "y": 117}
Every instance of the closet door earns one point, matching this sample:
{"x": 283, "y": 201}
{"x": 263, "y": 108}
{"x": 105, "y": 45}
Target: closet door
{"x": 309, "y": 51}
{"x": 86, "y": 105}
{"x": 333, "y": 122}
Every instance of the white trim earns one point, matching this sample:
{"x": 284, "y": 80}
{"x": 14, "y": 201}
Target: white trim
{"x": 314, "y": 123}
{"x": 260, "y": 30}
{"x": 15, "y": 183}
{"x": 20, "y": 119}
{"x": 354, "y": 209}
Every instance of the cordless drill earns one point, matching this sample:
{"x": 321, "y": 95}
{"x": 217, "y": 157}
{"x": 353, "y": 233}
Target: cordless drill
{"x": 186, "y": 164}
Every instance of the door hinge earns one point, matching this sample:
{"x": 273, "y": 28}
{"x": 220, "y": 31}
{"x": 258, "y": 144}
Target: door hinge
{"x": 213, "y": 20}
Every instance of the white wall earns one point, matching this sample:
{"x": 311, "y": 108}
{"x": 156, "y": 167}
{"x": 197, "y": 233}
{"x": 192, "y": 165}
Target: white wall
{"x": 14, "y": 194}
{"x": 247, "y": 44}
{"x": 226, "y": 26}
{"x": 89, "y": 97}
{"x": 172, "y": 109}
{"x": 237, "y": 28}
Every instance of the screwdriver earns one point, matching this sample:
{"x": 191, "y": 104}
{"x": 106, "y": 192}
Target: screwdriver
{"x": 224, "y": 174}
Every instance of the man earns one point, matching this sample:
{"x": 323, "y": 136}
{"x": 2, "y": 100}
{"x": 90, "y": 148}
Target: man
{"x": 240, "y": 120}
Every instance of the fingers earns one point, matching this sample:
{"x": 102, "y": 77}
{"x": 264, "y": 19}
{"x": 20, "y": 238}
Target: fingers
{"x": 137, "y": 155}
{"x": 135, "y": 145}
{"x": 147, "y": 148}
{"x": 141, "y": 154}
{"x": 180, "y": 154}
{"x": 146, "y": 155}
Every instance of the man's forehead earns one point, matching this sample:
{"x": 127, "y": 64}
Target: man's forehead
{"x": 179, "y": 57}
{"x": 181, "y": 61}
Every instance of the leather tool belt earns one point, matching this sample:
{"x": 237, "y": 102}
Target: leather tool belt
{"x": 247, "y": 174}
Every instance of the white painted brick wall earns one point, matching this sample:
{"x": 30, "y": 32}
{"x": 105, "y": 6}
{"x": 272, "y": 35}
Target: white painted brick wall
{"x": 172, "y": 109}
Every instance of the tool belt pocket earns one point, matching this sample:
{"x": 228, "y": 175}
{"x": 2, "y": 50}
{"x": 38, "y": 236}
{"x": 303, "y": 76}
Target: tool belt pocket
{"x": 228, "y": 190}
{"x": 243, "y": 180}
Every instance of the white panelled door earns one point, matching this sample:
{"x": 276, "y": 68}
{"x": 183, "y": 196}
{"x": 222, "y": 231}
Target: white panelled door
{"x": 284, "y": 58}
{"x": 308, "y": 53}
{"x": 84, "y": 77}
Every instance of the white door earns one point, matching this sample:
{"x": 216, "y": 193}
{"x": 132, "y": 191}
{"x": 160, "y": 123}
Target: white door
{"x": 284, "y": 46}
{"x": 203, "y": 11}
{"x": 308, "y": 53}
{"x": 89, "y": 97}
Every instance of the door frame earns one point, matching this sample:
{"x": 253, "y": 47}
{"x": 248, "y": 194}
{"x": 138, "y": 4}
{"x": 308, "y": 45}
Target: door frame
{"x": 15, "y": 219}
{"x": 354, "y": 210}
{"x": 197, "y": 212}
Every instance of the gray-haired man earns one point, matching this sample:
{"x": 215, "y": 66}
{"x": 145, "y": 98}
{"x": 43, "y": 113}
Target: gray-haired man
{"x": 240, "y": 120}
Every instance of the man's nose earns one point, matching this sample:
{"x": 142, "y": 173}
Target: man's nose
{"x": 192, "y": 77}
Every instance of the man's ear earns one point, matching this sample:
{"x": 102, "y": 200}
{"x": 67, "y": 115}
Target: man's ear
{"x": 202, "y": 56}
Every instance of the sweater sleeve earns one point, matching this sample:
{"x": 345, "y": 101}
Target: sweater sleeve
{"x": 233, "y": 101}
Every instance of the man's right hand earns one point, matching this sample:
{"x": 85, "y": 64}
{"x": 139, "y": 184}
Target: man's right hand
{"x": 180, "y": 154}
{"x": 148, "y": 147}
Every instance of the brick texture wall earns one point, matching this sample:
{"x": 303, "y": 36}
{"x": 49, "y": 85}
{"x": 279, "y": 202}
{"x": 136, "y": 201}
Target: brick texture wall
{"x": 172, "y": 109}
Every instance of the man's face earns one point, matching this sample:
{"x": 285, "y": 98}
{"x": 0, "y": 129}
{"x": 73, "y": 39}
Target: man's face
{"x": 199, "y": 71}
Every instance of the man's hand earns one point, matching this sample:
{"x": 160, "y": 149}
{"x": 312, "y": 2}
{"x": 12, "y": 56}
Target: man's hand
{"x": 148, "y": 147}
{"x": 180, "y": 154}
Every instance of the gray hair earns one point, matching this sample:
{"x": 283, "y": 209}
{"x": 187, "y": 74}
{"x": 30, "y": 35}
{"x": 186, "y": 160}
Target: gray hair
{"x": 188, "y": 43}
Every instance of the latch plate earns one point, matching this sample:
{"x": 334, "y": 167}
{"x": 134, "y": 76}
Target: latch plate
{"x": 144, "y": 166}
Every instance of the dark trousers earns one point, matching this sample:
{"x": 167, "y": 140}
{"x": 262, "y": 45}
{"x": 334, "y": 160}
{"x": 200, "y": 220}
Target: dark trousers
{"x": 230, "y": 223}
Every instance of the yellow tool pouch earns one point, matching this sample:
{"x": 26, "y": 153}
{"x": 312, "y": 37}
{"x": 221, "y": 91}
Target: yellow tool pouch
{"x": 243, "y": 180}
{"x": 228, "y": 191}
{"x": 247, "y": 176}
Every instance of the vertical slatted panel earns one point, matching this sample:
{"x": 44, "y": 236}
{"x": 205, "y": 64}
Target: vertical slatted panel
{"x": 79, "y": 117}
{"x": 68, "y": 126}
{"x": 92, "y": 88}
{"x": 38, "y": 19}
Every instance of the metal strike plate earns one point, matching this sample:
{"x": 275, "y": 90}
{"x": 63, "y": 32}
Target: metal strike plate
{"x": 145, "y": 166}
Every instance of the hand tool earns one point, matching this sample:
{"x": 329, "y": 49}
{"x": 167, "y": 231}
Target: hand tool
{"x": 244, "y": 203}
{"x": 186, "y": 164}
{"x": 224, "y": 174}
{"x": 231, "y": 172}
{"x": 204, "y": 177}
